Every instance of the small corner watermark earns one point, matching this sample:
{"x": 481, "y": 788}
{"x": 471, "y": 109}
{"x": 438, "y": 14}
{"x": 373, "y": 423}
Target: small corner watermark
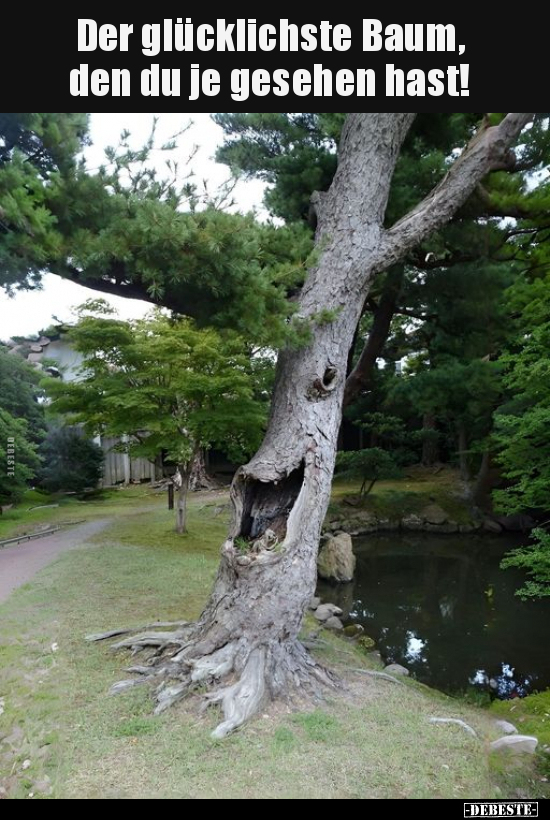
{"x": 10, "y": 458}
{"x": 501, "y": 809}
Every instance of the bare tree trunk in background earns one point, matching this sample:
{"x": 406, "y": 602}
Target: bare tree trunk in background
{"x": 181, "y": 504}
{"x": 488, "y": 478}
{"x": 430, "y": 446}
{"x": 200, "y": 479}
{"x": 360, "y": 377}
{"x": 246, "y": 644}
{"x": 463, "y": 452}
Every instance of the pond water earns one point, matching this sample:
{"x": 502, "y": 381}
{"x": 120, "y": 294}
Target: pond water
{"x": 442, "y": 606}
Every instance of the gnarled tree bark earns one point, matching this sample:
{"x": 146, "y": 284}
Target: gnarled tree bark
{"x": 246, "y": 644}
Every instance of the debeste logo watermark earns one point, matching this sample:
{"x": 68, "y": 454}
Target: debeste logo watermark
{"x": 501, "y": 809}
{"x": 10, "y": 458}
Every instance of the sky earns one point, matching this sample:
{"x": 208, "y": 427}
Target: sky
{"x": 29, "y": 312}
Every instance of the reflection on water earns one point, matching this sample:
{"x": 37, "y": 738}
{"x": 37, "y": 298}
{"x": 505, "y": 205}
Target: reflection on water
{"x": 442, "y": 606}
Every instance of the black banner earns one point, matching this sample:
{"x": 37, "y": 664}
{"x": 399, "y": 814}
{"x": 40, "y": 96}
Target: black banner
{"x": 447, "y": 61}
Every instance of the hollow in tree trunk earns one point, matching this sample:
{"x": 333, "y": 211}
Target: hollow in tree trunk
{"x": 246, "y": 644}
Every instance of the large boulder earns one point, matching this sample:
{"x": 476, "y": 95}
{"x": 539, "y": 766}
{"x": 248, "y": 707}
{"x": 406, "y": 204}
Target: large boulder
{"x": 489, "y": 525}
{"x": 334, "y": 623}
{"x": 516, "y": 744}
{"x": 397, "y": 669}
{"x": 516, "y": 523}
{"x": 389, "y": 525}
{"x": 413, "y": 522}
{"x": 472, "y": 526}
{"x": 505, "y": 727}
{"x": 434, "y": 514}
{"x": 327, "y": 611}
{"x": 336, "y": 559}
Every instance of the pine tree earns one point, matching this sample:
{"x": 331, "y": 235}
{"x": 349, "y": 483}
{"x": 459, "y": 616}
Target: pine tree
{"x": 71, "y": 462}
{"x": 249, "y": 631}
{"x": 89, "y": 227}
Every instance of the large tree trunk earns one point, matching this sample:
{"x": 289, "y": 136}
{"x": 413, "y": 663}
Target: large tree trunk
{"x": 248, "y": 635}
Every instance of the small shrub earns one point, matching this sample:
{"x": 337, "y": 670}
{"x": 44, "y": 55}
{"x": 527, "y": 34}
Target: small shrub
{"x": 369, "y": 466}
{"x": 72, "y": 463}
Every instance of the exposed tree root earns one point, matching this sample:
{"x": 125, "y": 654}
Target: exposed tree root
{"x": 116, "y": 633}
{"x": 243, "y": 699}
{"x": 245, "y": 650}
{"x": 241, "y": 678}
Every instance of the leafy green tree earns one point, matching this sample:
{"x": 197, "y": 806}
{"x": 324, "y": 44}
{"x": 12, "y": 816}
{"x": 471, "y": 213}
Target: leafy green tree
{"x": 38, "y": 155}
{"x": 297, "y": 155}
{"x": 535, "y": 559}
{"x": 18, "y": 456}
{"x": 22, "y": 424}
{"x": 390, "y": 433}
{"x": 522, "y": 423}
{"x": 20, "y": 394}
{"x": 167, "y": 387}
{"x": 71, "y": 462}
{"x": 369, "y": 466}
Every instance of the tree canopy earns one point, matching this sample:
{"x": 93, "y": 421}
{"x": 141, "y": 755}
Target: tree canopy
{"x": 369, "y": 466}
{"x": 18, "y": 456}
{"x": 126, "y": 230}
{"x": 164, "y": 387}
{"x": 22, "y": 425}
{"x": 20, "y": 393}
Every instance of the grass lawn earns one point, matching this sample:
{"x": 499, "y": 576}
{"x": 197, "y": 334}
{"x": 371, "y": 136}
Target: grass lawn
{"x": 61, "y": 736}
{"x": 39, "y": 511}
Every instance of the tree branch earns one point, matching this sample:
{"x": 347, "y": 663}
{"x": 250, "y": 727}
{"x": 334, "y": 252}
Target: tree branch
{"x": 489, "y": 150}
{"x": 113, "y": 288}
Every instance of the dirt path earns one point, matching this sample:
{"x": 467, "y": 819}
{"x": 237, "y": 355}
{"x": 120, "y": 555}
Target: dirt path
{"x": 21, "y": 563}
